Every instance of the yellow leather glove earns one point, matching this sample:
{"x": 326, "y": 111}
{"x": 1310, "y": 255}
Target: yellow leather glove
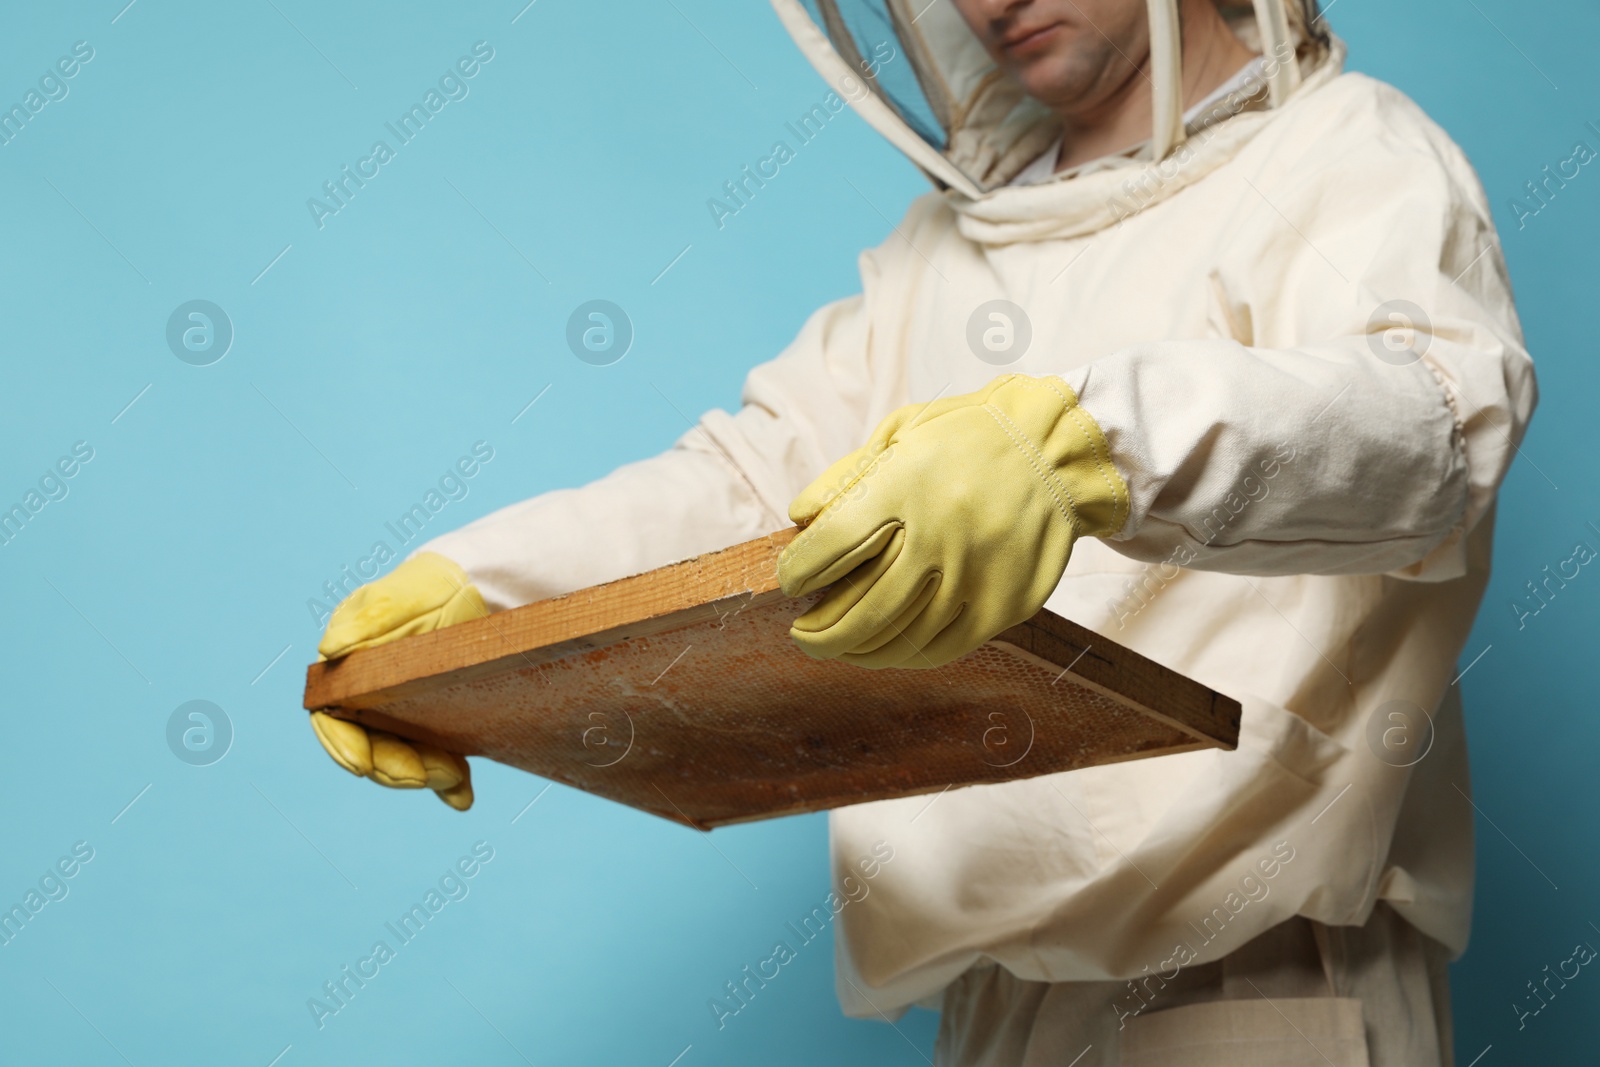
{"x": 954, "y": 522}
{"x": 422, "y": 594}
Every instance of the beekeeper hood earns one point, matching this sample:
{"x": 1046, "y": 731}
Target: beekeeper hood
{"x": 916, "y": 72}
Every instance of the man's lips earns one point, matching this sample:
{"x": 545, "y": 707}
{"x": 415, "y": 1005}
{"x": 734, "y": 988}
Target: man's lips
{"x": 1030, "y": 40}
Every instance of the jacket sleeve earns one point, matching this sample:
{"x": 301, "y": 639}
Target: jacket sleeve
{"x": 728, "y": 479}
{"x": 1365, "y": 394}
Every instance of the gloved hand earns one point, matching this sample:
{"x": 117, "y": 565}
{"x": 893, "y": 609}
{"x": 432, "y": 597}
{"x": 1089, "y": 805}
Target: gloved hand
{"x": 954, "y": 522}
{"x": 422, "y": 594}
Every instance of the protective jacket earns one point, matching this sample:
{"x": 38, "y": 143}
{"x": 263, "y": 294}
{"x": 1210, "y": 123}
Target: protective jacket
{"x": 1291, "y": 318}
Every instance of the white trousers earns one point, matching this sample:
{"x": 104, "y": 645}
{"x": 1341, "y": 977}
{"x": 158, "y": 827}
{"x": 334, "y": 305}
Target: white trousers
{"x": 1300, "y": 995}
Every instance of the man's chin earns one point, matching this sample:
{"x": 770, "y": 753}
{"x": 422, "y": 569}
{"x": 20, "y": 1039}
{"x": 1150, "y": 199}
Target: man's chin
{"x": 1046, "y": 79}
{"x": 1062, "y": 82}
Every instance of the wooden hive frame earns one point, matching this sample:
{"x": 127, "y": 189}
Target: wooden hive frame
{"x": 679, "y": 692}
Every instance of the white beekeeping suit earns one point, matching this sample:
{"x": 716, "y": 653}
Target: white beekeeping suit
{"x": 1291, "y": 318}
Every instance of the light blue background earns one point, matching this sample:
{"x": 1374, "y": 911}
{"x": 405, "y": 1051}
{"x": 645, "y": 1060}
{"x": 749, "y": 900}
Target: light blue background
{"x": 377, "y": 349}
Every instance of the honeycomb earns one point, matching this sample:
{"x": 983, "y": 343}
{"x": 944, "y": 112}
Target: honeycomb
{"x": 726, "y": 721}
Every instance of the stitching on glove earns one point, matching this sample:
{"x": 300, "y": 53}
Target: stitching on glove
{"x": 1038, "y": 460}
{"x": 1074, "y": 410}
{"x": 1046, "y": 476}
{"x": 1119, "y": 497}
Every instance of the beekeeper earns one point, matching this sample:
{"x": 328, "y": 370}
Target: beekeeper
{"x": 1201, "y": 343}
